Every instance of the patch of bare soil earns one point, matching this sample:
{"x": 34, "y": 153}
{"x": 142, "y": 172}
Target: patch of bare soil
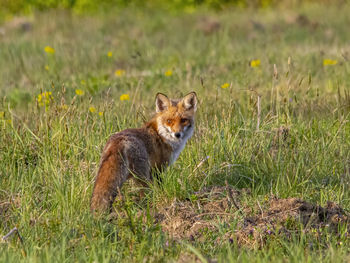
{"x": 286, "y": 216}
{"x": 191, "y": 219}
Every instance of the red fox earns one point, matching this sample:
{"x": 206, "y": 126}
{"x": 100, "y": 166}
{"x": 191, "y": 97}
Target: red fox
{"x": 136, "y": 152}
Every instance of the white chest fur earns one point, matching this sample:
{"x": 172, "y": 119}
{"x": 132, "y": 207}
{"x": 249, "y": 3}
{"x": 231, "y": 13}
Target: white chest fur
{"x": 178, "y": 147}
{"x": 176, "y": 144}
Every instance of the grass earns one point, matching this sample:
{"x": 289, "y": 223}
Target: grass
{"x": 49, "y": 153}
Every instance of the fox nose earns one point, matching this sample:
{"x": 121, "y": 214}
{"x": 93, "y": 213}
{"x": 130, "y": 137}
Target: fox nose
{"x": 177, "y": 134}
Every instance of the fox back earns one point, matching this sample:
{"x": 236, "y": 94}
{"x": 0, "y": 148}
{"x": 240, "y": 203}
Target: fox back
{"x": 134, "y": 153}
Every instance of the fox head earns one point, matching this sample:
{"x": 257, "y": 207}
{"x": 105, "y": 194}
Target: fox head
{"x": 175, "y": 117}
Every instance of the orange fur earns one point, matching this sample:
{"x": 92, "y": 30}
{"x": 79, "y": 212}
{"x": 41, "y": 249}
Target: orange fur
{"x": 136, "y": 152}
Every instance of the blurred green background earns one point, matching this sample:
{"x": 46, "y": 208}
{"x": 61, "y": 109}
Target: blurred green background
{"x": 8, "y": 8}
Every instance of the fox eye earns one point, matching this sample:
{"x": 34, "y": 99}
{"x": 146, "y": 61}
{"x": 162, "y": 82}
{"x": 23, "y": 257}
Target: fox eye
{"x": 184, "y": 120}
{"x": 168, "y": 121}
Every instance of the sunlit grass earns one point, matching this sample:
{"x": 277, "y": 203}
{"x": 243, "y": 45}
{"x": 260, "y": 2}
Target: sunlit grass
{"x": 70, "y": 82}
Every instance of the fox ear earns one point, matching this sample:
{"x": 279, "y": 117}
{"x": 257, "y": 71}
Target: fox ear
{"x": 162, "y": 102}
{"x": 189, "y": 102}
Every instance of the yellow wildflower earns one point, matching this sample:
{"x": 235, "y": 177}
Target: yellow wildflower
{"x": 168, "y": 73}
{"x": 49, "y": 50}
{"x": 47, "y": 67}
{"x": 225, "y": 85}
{"x": 124, "y": 97}
{"x": 79, "y": 92}
{"x": 109, "y": 54}
{"x": 329, "y": 62}
{"x": 119, "y": 72}
{"x": 255, "y": 63}
{"x": 44, "y": 98}
{"x": 100, "y": 113}
{"x": 92, "y": 109}
{"x": 2, "y": 114}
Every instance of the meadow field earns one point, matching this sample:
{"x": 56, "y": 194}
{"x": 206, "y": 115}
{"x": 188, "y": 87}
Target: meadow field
{"x": 265, "y": 178}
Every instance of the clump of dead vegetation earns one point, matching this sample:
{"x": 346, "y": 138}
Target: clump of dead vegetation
{"x": 191, "y": 219}
{"x": 287, "y": 217}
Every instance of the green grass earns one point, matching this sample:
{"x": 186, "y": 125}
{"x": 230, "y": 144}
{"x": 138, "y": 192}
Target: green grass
{"x": 49, "y": 154}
